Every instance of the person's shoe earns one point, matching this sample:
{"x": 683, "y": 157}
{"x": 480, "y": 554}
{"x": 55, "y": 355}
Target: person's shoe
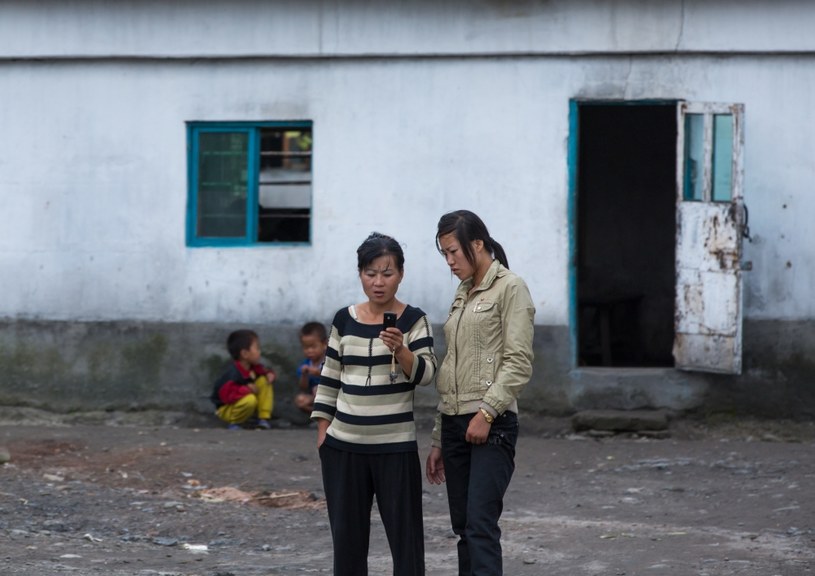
{"x": 234, "y": 427}
{"x": 263, "y": 424}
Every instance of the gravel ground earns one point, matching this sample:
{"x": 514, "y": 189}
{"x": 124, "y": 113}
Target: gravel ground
{"x": 139, "y": 495}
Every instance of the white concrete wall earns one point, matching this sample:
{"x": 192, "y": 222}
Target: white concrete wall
{"x": 93, "y": 164}
{"x": 401, "y": 27}
{"x": 96, "y": 185}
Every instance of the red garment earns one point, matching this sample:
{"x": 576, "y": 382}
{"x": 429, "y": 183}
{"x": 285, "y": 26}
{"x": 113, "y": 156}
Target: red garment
{"x": 238, "y": 385}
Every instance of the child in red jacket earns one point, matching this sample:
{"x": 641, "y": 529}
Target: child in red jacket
{"x": 245, "y": 389}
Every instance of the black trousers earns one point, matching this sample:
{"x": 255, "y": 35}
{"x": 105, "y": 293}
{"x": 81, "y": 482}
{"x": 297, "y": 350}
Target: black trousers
{"x": 477, "y": 479}
{"x": 351, "y": 480}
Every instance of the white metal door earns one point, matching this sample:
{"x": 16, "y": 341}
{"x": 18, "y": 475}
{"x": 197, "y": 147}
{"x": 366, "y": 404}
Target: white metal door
{"x": 710, "y": 220}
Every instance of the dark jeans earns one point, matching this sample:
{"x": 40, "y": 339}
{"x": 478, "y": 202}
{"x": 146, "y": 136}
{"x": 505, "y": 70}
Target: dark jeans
{"x": 351, "y": 481}
{"x": 477, "y": 479}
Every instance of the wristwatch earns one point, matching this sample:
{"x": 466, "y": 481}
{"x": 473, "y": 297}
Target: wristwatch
{"x": 487, "y": 416}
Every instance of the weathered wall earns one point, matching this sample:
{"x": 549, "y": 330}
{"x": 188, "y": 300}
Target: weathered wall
{"x": 93, "y": 158}
{"x": 362, "y": 28}
{"x": 93, "y": 178}
{"x": 80, "y": 366}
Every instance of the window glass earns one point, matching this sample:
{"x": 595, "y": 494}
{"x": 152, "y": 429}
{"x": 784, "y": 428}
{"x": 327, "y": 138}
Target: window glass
{"x": 722, "y": 157}
{"x": 250, "y": 183}
{"x": 694, "y": 157}
{"x": 222, "y": 184}
{"x": 284, "y": 185}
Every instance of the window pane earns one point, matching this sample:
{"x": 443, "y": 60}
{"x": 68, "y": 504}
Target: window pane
{"x": 285, "y": 185}
{"x": 722, "y": 157}
{"x": 694, "y": 157}
{"x": 222, "y": 184}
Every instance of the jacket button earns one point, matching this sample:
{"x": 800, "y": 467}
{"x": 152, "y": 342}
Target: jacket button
{"x": 489, "y": 382}
{"x": 489, "y": 360}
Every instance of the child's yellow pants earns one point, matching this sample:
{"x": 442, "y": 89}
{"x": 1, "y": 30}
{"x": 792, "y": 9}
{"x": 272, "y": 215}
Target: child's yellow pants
{"x": 260, "y": 403}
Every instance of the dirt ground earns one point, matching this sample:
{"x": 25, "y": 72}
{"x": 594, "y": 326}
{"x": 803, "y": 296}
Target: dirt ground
{"x": 735, "y": 498}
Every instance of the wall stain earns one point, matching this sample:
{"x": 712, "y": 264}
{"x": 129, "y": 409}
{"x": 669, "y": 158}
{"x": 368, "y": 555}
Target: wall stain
{"x": 143, "y": 361}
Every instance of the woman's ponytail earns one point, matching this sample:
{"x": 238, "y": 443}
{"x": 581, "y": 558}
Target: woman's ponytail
{"x": 497, "y": 251}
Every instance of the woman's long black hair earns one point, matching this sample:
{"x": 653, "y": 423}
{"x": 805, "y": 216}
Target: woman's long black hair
{"x": 466, "y": 226}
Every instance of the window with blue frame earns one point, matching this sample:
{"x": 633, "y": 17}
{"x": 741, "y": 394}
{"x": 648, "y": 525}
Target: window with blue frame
{"x": 249, "y": 183}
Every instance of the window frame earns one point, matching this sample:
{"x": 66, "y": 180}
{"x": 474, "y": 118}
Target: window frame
{"x": 252, "y": 129}
{"x": 708, "y": 113}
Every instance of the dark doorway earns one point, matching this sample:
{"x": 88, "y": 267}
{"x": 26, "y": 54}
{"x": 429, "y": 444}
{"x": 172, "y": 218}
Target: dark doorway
{"x": 626, "y": 234}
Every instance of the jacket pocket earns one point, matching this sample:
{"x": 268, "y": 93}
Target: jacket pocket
{"x": 484, "y": 307}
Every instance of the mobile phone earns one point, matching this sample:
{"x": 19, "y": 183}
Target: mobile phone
{"x": 389, "y": 319}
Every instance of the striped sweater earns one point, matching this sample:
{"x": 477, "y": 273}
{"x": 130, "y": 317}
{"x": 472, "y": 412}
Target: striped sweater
{"x": 368, "y": 413}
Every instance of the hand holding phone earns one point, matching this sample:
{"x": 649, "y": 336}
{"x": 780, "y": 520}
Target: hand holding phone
{"x": 389, "y": 321}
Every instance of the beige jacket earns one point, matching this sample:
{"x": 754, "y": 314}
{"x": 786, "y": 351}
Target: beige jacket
{"x": 489, "y": 347}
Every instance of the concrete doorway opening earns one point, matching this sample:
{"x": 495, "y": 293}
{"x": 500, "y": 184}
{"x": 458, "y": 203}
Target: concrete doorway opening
{"x": 625, "y": 219}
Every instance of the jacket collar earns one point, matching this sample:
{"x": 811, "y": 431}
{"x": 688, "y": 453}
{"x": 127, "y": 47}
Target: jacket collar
{"x": 258, "y": 369}
{"x": 243, "y": 371}
{"x": 496, "y": 270}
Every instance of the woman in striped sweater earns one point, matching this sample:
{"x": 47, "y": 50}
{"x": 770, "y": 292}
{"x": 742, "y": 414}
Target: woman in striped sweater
{"x": 364, "y": 410}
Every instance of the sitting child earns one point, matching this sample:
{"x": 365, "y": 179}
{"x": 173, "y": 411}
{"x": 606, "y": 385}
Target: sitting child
{"x": 314, "y": 340}
{"x": 245, "y": 389}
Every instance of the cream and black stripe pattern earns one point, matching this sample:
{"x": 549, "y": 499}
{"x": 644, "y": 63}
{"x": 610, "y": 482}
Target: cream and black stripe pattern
{"x": 368, "y": 413}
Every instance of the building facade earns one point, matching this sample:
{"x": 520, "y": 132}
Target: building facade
{"x": 172, "y": 171}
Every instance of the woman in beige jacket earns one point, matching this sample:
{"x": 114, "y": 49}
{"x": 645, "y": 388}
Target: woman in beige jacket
{"x": 488, "y": 362}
